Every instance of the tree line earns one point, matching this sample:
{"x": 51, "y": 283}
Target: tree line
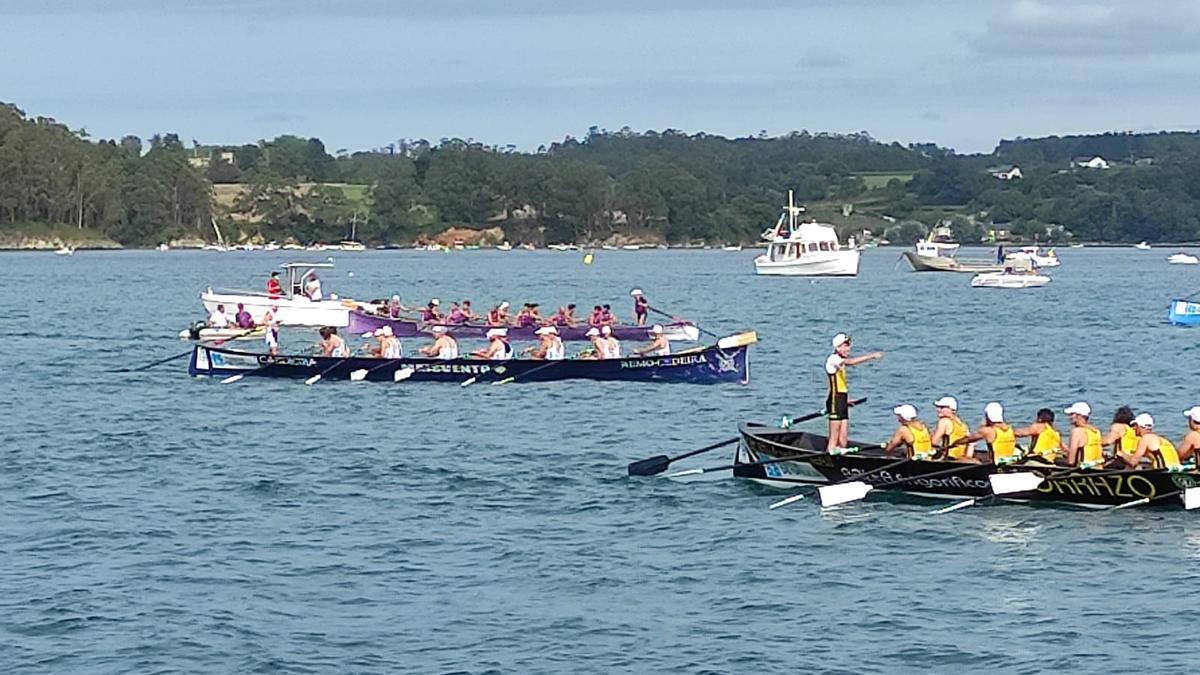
{"x": 667, "y": 185}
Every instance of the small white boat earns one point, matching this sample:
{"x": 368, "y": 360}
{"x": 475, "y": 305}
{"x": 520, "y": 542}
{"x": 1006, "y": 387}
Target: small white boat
{"x": 804, "y": 249}
{"x": 631, "y": 247}
{"x": 65, "y": 250}
{"x": 163, "y": 248}
{"x": 1018, "y": 274}
{"x": 1076, "y": 245}
{"x": 609, "y": 247}
{"x": 528, "y": 247}
{"x": 271, "y": 246}
{"x": 504, "y": 247}
{"x": 355, "y": 246}
{"x": 1182, "y": 258}
{"x": 1047, "y": 258}
{"x": 1143, "y": 246}
{"x": 732, "y": 249}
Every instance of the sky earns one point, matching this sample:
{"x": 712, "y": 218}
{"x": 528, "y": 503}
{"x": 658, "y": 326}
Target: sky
{"x": 360, "y": 74}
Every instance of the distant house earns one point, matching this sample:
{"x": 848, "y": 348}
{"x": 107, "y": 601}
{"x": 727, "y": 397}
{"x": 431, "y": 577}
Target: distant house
{"x": 1145, "y": 161}
{"x": 1090, "y": 163}
{"x": 202, "y": 162}
{"x": 1010, "y": 173}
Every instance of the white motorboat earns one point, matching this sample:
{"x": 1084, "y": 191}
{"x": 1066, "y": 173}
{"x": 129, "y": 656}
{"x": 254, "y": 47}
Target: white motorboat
{"x": 1182, "y": 258}
{"x": 65, "y": 250}
{"x": 295, "y": 308}
{"x": 1143, "y": 246}
{"x": 504, "y": 247}
{"x": 804, "y": 249}
{"x": 163, "y": 248}
{"x": 1041, "y": 258}
{"x": 1021, "y": 273}
{"x": 732, "y": 249}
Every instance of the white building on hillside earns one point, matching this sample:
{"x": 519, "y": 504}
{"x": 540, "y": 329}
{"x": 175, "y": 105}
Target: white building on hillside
{"x": 1009, "y": 174}
{"x": 1093, "y": 163}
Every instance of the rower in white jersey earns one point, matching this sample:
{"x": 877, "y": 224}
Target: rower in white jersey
{"x": 659, "y": 345}
{"x": 498, "y": 348}
{"x": 444, "y": 347}
{"x": 550, "y": 346}
{"x": 610, "y": 348}
{"x": 389, "y": 344}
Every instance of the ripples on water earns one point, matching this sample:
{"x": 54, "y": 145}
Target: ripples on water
{"x": 154, "y": 523}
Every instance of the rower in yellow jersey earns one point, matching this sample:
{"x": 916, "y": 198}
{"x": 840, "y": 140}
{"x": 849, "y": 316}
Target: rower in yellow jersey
{"x": 837, "y": 405}
{"x": 1120, "y": 435}
{"x": 1158, "y": 450}
{"x": 1084, "y": 448}
{"x": 950, "y": 430}
{"x": 998, "y": 434}
{"x": 1046, "y": 442}
{"x": 912, "y": 433}
{"x": 1189, "y": 447}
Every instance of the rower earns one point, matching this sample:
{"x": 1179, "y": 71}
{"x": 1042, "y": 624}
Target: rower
{"x": 640, "y": 306}
{"x": 597, "y": 349}
{"x": 313, "y": 288}
{"x": 243, "y": 318}
{"x": 430, "y": 312}
{"x": 950, "y": 430}
{"x": 837, "y": 404}
{"x": 570, "y": 316}
{"x": 659, "y": 345}
{"x": 1189, "y": 447}
{"x": 525, "y": 317}
{"x": 498, "y": 315}
{"x": 467, "y": 312}
{"x": 332, "y": 344}
{"x": 999, "y": 436}
{"x": 444, "y": 346}
{"x": 218, "y": 319}
{"x": 1120, "y": 434}
{"x": 274, "y": 288}
{"x": 912, "y": 433}
{"x": 1160, "y": 451}
{"x": 271, "y": 335}
{"x": 456, "y": 314}
{"x": 389, "y": 345}
{"x": 498, "y": 348}
{"x": 607, "y": 318}
{"x": 612, "y": 348}
{"x": 1084, "y": 447}
{"x": 550, "y": 345}
{"x": 1046, "y": 441}
{"x": 394, "y": 307}
{"x": 594, "y": 319}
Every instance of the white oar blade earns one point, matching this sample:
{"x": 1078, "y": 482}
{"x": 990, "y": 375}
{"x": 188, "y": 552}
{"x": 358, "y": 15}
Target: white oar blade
{"x": 232, "y": 379}
{"x": 954, "y": 507}
{"x": 1127, "y": 505}
{"x": 1191, "y": 498}
{"x": 312, "y": 380}
{"x": 739, "y": 340}
{"x": 358, "y": 375}
{"x": 692, "y": 333}
{"x": 789, "y": 500}
{"x": 689, "y": 472}
{"x": 1021, "y": 481}
{"x": 402, "y": 374}
{"x": 832, "y": 495}
{"x": 469, "y": 381}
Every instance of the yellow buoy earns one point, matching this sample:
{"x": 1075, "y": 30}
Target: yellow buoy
{"x": 589, "y": 257}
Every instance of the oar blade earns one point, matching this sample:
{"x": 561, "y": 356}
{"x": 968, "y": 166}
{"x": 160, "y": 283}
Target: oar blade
{"x": 312, "y": 380}
{"x": 1020, "y": 481}
{"x": 650, "y": 466}
{"x": 1128, "y": 505}
{"x": 403, "y": 374}
{"x": 955, "y": 506}
{"x": 233, "y": 378}
{"x": 358, "y": 375}
{"x": 469, "y": 381}
{"x": 739, "y": 340}
{"x": 686, "y": 472}
{"x": 784, "y": 502}
{"x": 1191, "y": 498}
{"x": 832, "y": 495}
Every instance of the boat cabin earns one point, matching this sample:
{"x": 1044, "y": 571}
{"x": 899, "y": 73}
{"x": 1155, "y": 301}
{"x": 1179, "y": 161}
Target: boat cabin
{"x": 803, "y": 239}
{"x": 297, "y": 272}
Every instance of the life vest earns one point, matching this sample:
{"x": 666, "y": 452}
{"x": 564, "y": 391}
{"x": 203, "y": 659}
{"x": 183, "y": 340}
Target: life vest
{"x": 958, "y": 430}
{"x": 921, "y": 444}
{"x": 1004, "y": 446}
{"x": 1047, "y": 443}
{"x": 1165, "y": 457}
{"x": 1093, "y": 451}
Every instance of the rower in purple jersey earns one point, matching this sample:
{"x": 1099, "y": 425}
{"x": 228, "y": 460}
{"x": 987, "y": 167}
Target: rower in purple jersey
{"x": 640, "y": 306}
{"x": 456, "y": 314}
{"x": 430, "y": 312}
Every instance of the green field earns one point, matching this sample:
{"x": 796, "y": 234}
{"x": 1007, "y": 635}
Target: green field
{"x": 877, "y": 179}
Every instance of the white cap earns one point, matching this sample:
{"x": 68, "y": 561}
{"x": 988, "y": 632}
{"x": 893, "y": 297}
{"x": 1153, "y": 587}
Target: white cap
{"x": 387, "y": 331}
{"x": 606, "y": 330}
{"x": 906, "y": 412}
{"x": 1193, "y": 414}
{"x": 946, "y": 402}
{"x": 636, "y": 291}
{"x": 839, "y": 339}
{"x": 504, "y": 305}
{"x": 1144, "y": 421}
{"x": 396, "y": 298}
{"x": 438, "y": 329}
{"x": 592, "y": 332}
{"x": 377, "y": 332}
{"x": 546, "y": 330}
{"x": 497, "y": 332}
{"x": 435, "y": 302}
{"x": 1079, "y": 408}
{"x": 994, "y": 412}
{"x": 656, "y": 329}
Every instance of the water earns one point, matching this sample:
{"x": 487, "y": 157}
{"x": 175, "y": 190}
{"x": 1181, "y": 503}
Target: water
{"x": 155, "y": 523}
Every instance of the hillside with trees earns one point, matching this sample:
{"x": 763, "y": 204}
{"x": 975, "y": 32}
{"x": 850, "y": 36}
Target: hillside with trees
{"x": 608, "y": 186}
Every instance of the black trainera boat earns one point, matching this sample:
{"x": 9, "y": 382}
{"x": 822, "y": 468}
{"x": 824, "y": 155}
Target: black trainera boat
{"x": 812, "y": 465}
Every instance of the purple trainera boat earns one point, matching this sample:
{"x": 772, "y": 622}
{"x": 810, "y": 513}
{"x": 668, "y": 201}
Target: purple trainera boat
{"x": 363, "y": 322}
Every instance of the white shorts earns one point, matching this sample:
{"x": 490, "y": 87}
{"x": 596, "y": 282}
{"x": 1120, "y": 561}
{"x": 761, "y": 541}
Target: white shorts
{"x": 272, "y": 338}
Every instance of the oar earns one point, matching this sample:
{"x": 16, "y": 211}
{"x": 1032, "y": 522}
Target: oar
{"x": 528, "y": 372}
{"x": 148, "y": 366}
{"x": 800, "y": 495}
{"x": 674, "y": 318}
{"x": 728, "y": 467}
{"x": 316, "y": 378}
{"x": 853, "y": 491}
{"x": 659, "y": 463}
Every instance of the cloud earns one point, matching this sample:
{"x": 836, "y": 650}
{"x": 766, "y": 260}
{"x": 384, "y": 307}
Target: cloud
{"x": 822, "y": 58}
{"x": 1036, "y": 28}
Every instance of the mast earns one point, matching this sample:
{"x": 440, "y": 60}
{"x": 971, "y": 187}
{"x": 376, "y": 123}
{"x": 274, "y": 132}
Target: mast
{"x": 791, "y": 213}
{"x": 220, "y": 239}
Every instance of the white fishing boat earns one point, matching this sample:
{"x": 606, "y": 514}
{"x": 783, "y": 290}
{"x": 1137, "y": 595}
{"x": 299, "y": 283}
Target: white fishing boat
{"x": 1143, "y": 246}
{"x": 804, "y": 249}
{"x": 631, "y": 247}
{"x": 1042, "y": 258}
{"x": 162, "y": 248}
{"x": 504, "y": 247}
{"x": 295, "y": 308}
{"x": 354, "y": 246}
{"x": 1182, "y": 258}
{"x": 733, "y": 249}
{"x": 270, "y": 246}
{"x": 1017, "y": 274}
{"x": 65, "y": 250}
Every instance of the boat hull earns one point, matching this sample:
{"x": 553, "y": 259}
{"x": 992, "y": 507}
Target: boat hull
{"x": 1002, "y": 280}
{"x": 364, "y": 322}
{"x": 833, "y": 264}
{"x": 297, "y": 311}
{"x": 709, "y": 365}
{"x": 1090, "y": 489}
{"x": 1184, "y": 313}
{"x": 922, "y": 263}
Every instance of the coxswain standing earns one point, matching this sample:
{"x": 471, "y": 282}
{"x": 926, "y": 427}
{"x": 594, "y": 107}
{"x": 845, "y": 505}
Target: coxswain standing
{"x": 1046, "y": 442}
{"x": 243, "y": 318}
{"x": 1189, "y": 447}
{"x": 332, "y": 344}
{"x": 444, "y": 346}
{"x": 912, "y": 433}
{"x": 1084, "y": 447}
{"x": 659, "y": 345}
{"x": 550, "y": 345}
{"x": 640, "y": 306}
{"x": 271, "y": 336}
{"x": 950, "y": 430}
{"x": 1158, "y": 450}
{"x": 274, "y": 288}
{"x": 498, "y": 348}
{"x": 218, "y": 318}
{"x": 837, "y": 405}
